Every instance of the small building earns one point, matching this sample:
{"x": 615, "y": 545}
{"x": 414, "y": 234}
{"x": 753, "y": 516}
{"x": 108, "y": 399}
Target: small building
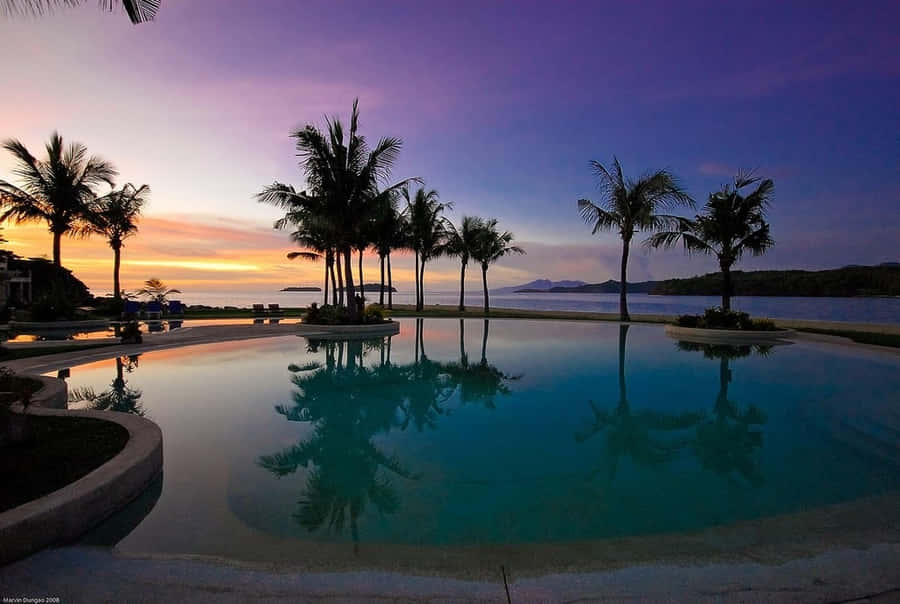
{"x": 15, "y": 285}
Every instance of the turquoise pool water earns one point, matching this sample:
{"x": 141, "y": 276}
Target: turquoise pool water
{"x": 463, "y": 433}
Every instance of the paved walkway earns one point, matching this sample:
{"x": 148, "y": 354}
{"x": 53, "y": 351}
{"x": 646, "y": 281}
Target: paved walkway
{"x": 91, "y": 575}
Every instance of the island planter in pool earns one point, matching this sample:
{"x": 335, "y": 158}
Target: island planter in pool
{"x": 729, "y": 336}
{"x": 347, "y": 332}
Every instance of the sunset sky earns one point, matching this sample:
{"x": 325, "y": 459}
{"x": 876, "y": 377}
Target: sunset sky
{"x": 500, "y": 105}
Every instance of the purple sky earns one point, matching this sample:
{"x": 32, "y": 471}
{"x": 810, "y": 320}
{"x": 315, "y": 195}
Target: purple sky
{"x": 500, "y": 104}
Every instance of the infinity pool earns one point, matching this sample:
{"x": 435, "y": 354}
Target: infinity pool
{"x": 463, "y": 433}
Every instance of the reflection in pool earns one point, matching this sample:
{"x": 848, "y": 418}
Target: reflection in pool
{"x": 555, "y": 431}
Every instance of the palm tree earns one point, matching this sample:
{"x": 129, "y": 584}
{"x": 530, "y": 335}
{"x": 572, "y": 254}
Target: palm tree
{"x": 139, "y": 11}
{"x": 344, "y": 176}
{"x": 427, "y": 229}
{"x": 388, "y": 233}
{"x": 462, "y": 242}
{"x": 730, "y": 225}
{"x": 490, "y": 246}
{"x": 157, "y": 290}
{"x": 58, "y": 190}
{"x": 631, "y": 205}
{"x": 115, "y": 216}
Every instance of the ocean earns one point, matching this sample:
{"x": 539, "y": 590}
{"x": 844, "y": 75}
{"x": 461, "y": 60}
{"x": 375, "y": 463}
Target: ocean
{"x": 863, "y": 310}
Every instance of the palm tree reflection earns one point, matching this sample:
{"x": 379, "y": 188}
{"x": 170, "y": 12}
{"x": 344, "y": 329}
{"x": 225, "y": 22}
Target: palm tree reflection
{"x": 635, "y": 434}
{"x": 349, "y": 404}
{"x": 118, "y": 397}
{"x": 728, "y": 441}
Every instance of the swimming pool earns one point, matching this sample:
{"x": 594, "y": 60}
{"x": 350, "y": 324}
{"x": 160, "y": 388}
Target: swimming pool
{"x": 474, "y": 433}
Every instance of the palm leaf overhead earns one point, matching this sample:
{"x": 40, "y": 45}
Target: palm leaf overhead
{"x": 138, "y": 11}
{"x": 730, "y": 225}
{"x": 628, "y": 205}
{"x": 59, "y": 190}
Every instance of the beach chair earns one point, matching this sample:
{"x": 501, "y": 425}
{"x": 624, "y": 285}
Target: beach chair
{"x": 153, "y": 312}
{"x": 275, "y": 310}
{"x": 176, "y": 308}
{"x": 131, "y": 310}
{"x": 259, "y": 309}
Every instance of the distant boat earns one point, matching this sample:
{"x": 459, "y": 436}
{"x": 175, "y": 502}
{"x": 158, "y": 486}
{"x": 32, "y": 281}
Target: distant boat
{"x": 301, "y": 289}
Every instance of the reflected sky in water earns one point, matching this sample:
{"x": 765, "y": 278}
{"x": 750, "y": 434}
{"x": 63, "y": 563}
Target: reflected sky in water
{"x": 526, "y": 431}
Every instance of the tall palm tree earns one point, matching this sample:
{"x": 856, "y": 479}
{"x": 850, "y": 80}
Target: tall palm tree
{"x": 388, "y": 234}
{"x": 58, "y": 190}
{"x": 345, "y": 173}
{"x": 461, "y": 242}
{"x": 139, "y": 11}
{"x": 157, "y": 290}
{"x": 427, "y": 229}
{"x": 115, "y": 216}
{"x": 730, "y": 225}
{"x": 627, "y": 206}
{"x": 490, "y": 246}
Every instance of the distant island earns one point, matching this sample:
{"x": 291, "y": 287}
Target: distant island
{"x": 542, "y": 285}
{"x": 302, "y": 289}
{"x": 849, "y": 281}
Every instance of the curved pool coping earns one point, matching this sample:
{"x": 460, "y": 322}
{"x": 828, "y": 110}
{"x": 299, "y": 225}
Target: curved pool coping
{"x": 69, "y": 512}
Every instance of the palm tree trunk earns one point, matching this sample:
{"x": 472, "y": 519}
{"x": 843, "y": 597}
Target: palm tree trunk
{"x": 57, "y": 253}
{"x": 381, "y": 289}
{"x": 325, "y": 289}
{"x": 340, "y": 275}
{"x": 417, "y": 279}
{"x": 726, "y": 286}
{"x": 362, "y": 289}
{"x": 462, "y": 288}
{"x": 390, "y": 285}
{"x": 484, "y": 338}
{"x": 623, "y": 286}
{"x": 487, "y": 302}
{"x": 117, "y": 262}
{"x": 421, "y": 303}
{"x": 348, "y": 282}
{"x": 334, "y": 286}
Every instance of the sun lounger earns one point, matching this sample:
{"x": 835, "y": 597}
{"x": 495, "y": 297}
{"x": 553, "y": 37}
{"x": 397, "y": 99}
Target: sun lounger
{"x": 259, "y": 309}
{"x": 153, "y": 312}
{"x": 176, "y": 308}
{"x": 275, "y": 310}
{"x": 131, "y": 310}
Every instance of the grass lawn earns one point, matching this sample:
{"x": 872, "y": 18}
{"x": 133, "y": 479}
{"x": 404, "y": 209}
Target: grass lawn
{"x": 509, "y": 313}
{"x": 62, "y": 450}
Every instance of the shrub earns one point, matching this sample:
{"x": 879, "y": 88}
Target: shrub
{"x": 719, "y": 318}
{"x": 327, "y": 315}
{"x": 373, "y": 313}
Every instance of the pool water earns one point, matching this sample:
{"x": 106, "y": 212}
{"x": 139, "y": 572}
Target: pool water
{"x": 501, "y": 432}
